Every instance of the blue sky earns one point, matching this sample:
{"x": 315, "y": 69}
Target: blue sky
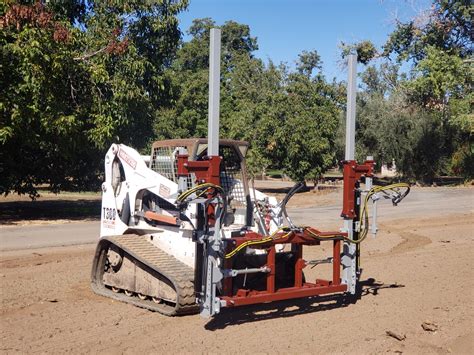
{"x": 285, "y": 28}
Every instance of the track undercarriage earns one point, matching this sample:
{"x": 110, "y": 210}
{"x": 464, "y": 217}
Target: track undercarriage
{"x": 129, "y": 268}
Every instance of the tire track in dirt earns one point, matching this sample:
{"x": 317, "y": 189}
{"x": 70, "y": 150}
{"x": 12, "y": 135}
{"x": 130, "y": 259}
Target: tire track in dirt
{"x": 410, "y": 241}
{"x": 42, "y": 256}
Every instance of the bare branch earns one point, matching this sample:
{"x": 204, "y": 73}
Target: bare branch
{"x": 89, "y": 55}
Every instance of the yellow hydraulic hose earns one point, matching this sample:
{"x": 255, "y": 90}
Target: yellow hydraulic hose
{"x": 364, "y": 217}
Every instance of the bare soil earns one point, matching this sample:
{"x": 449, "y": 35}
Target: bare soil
{"x": 418, "y": 270}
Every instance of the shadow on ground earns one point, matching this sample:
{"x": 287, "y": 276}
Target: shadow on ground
{"x": 50, "y": 210}
{"x": 290, "y": 308}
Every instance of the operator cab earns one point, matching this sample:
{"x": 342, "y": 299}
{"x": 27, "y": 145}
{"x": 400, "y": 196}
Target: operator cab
{"x": 233, "y": 173}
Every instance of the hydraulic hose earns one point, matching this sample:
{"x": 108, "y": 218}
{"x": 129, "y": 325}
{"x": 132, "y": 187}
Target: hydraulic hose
{"x": 363, "y": 221}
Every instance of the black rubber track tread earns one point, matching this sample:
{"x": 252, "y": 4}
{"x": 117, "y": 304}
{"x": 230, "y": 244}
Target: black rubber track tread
{"x": 140, "y": 249}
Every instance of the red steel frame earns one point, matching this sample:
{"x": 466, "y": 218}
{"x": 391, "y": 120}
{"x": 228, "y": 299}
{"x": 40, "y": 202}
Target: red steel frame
{"x": 352, "y": 172}
{"x": 209, "y": 171}
{"x": 205, "y": 171}
{"x": 300, "y": 288}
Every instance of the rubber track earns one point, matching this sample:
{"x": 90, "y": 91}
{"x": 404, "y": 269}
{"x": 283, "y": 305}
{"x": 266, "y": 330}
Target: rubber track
{"x": 140, "y": 249}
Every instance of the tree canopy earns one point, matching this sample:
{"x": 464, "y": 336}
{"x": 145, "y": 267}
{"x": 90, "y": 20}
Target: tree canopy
{"x": 289, "y": 117}
{"x": 78, "y": 75}
{"x": 421, "y": 119}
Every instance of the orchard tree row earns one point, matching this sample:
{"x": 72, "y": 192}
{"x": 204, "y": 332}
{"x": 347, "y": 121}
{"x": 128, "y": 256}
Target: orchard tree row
{"x": 79, "y": 75}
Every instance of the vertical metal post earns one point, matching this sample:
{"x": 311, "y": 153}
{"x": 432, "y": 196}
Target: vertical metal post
{"x": 349, "y": 257}
{"x": 369, "y": 183}
{"x": 336, "y": 262}
{"x": 212, "y": 273}
{"x": 351, "y": 106}
{"x": 214, "y": 91}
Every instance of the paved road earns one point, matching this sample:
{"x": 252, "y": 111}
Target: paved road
{"x": 38, "y": 236}
{"x": 427, "y": 202}
{"x": 420, "y": 202}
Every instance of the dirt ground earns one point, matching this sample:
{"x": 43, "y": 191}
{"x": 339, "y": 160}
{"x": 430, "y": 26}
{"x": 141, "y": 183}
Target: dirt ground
{"x": 418, "y": 269}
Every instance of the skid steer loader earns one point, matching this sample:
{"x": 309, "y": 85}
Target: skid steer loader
{"x": 146, "y": 254}
{"x": 182, "y": 231}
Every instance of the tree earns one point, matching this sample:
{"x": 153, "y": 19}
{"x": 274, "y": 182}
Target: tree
{"x": 389, "y": 129}
{"x": 365, "y": 51}
{"x": 307, "y": 62}
{"x": 75, "y": 77}
{"x": 447, "y": 26}
{"x": 309, "y": 131}
{"x": 186, "y": 114}
{"x": 439, "y": 44}
{"x": 288, "y": 117}
{"x": 428, "y": 107}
